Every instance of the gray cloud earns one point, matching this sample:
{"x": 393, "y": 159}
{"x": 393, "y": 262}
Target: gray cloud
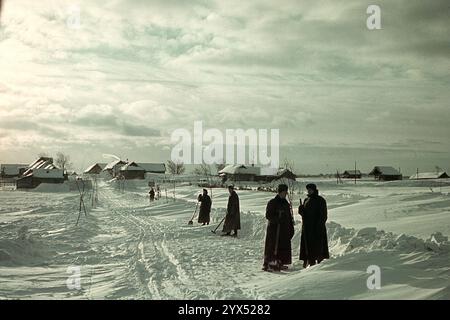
{"x": 310, "y": 68}
{"x": 114, "y": 123}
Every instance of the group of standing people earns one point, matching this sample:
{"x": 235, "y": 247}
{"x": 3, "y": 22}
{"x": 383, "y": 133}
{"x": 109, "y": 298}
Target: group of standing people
{"x": 280, "y": 230}
{"x": 280, "y": 227}
{"x": 152, "y": 193}
{"x": 232, "y": 220}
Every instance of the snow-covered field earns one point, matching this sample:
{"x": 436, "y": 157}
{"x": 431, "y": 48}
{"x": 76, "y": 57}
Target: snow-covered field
{"x": 127, "y": 248}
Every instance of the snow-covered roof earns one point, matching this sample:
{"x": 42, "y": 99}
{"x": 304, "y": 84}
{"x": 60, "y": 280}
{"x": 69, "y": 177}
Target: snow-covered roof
{"x": 41, "y": 163}
{"x": 352, "y": 172}
{"x": 131, "y": 166}
{"x": 153, "y": 167}
{"x": 385, "y": 170}
{"x": 287, "y": 173}
{"x": 113, "y": 164}
{"x": 429, "y": 175}
{"x": 100, "y": 165}
{"x": 12, "y": 169}
{"x": 240, "y": 169}
{"x": 252, "y": 170}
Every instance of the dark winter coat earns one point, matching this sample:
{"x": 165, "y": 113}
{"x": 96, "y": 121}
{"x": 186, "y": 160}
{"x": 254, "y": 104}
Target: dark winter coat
{"x": 233, "y": 217}
{"x": 314, "y": 242}
{"x": 278, "y": 214}
{"x": 205, "y": 209}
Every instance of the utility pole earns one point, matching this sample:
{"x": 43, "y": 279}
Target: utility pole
{"x": 355, "y": 172}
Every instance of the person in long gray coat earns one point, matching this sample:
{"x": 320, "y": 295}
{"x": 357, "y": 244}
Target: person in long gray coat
{"x": 314, "y": 242}
{"x": 233, "y": 217}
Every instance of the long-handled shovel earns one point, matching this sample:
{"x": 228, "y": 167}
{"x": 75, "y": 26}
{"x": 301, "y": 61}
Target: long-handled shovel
{"x": 193, "y": 215}
{"x": 214, "y": 231}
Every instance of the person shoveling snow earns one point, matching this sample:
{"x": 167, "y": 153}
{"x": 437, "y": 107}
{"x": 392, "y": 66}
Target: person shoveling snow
{"x": 233, "y": 217}
{"x": 205, "y": 207}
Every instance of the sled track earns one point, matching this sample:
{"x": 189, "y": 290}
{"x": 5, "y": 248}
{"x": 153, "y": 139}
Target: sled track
{"x": 158, "y": 273}
{"x": 139, "y": 264}
{"x": 166, "y": 259}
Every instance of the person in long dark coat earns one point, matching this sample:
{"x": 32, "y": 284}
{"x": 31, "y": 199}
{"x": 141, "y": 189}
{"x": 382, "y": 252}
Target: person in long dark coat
{"x": 205, "y": 207}
{"x": 280, "y": 230}
{"x": 151, "y": 194}
{"x": 314, "y": 241}
{"x": 233, "y": 217}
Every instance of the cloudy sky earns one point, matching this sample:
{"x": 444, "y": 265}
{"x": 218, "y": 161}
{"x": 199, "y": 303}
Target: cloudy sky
{"x": 132, "y": 71}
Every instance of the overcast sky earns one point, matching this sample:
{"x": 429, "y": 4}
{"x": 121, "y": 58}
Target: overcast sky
{"x": 136, "y": 70}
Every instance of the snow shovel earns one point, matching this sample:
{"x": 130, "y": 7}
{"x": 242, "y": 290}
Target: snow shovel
{"x": 214, "y": 231}
{"x": 193, "y": 215}
{"x": 275, "y": 265}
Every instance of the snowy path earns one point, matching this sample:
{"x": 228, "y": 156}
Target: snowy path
{"x": 130, "y": 249}
{"x": 190, "y": 261}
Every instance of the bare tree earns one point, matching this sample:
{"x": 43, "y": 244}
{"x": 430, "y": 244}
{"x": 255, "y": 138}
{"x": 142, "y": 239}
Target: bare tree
{"x": 63, "y": 161}
{"x": 203, "y": 170}
{"x": 175, "y": 167}
{"x": 292, "y": 184}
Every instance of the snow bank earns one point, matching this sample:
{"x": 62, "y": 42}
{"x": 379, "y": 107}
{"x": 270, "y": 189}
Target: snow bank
{"x": 52, "y": 187}
{"x": 349, "y": 240}
{"x": 26, "y": 249}
{"x": 344, "y": 240}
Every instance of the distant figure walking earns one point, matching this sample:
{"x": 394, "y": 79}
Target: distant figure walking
{"x": 280, "y": 231}
{"x": 152, "y": 194}
{"x": 158, "y": 192}
{"x": 205, "y": 207}
{"x": 233, "y": 217}
{"x": 314, "y": 242}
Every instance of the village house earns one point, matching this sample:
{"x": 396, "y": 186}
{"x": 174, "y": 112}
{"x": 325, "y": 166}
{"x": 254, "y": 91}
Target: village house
{"x": 125, "y": 169}
{"x": 40, "y": 171}
{"x": 386, "y": 173}
{"x": 429, "y": 175}
{"x": 351, "y": 174}
{"x": 12, "y": 170}
{"x": 153, "y": 167}
{"x": 113, "y": 168}
{"x": 253, "y": 173}
{"x": 96, "y": 168}
{"x": 132, "y": 171}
